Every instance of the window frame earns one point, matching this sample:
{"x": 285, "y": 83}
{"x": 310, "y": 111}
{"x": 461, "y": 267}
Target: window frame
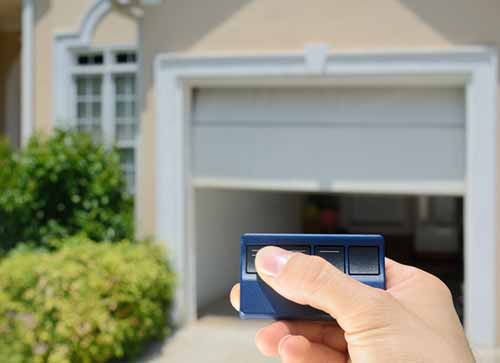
{"x": 108, "y": 70}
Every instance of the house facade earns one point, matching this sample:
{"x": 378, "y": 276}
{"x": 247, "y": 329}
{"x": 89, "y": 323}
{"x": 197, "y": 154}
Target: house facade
{"x": 227, "y": 113}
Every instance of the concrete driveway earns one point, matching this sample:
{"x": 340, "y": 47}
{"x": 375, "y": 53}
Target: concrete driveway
{"x": 213, "y": 339}
{"x": 221, "y": 337}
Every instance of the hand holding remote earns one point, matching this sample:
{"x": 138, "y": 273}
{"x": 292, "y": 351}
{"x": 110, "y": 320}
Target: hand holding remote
{"x": 412, "y": 321}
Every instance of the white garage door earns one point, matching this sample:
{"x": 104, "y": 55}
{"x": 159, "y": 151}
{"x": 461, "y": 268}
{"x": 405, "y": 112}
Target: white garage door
{"x": 329, "y": 135}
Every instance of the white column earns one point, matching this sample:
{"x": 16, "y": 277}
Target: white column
{"x": 27, "y": 70}
{"x": 480, "y": 215}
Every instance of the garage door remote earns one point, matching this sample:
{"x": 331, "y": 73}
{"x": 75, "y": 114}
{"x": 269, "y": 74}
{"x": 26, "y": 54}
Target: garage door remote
{"x": 360, "y": 256}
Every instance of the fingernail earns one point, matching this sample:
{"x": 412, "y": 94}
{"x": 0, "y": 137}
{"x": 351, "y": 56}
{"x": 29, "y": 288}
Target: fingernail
{"x": 271, "y": 260}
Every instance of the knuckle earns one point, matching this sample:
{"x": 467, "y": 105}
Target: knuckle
{"x": 439, "y": 286}
{"x": 311, "y": 274}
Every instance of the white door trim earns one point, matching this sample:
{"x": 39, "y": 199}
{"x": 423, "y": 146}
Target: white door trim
{"x": 475, "y": 69}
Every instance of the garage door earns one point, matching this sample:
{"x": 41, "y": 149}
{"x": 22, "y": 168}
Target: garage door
{"x": 329, "y": 135}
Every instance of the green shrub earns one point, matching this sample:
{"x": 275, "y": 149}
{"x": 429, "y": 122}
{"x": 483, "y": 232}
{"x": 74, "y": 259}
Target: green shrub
{"x": 86, "y": 302}
{"x": 61, "y": 186}
{"x": 10, "y": 201}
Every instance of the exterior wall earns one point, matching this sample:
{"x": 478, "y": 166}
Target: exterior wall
{"x": 58, "y": 16}
{"x": 239, "y": 26}
{"x": 116, "y": 29}
{"x": 10, "y": 47}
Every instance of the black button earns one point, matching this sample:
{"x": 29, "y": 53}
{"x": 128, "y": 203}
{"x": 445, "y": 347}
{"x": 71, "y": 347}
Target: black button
{"x": 363, "y": 260}
{"x": 302, "y": 249}
{"x": 252, "y": 252}
{"x": 333, "y": 254}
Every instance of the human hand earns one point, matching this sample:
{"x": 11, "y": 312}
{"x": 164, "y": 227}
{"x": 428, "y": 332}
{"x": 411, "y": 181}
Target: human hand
{"x": 412, "y": 321}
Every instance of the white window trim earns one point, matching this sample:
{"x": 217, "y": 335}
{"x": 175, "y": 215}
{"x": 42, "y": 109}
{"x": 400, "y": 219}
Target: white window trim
{"x": 64, "y": 46}
{"x": 475, "y": 69}
{"x": 107, "y": 71}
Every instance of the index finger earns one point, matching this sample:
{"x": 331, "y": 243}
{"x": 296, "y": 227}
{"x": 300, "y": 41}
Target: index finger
{"x": 234, "y": 296}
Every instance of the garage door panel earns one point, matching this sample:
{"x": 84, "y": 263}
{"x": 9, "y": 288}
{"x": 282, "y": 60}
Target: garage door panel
{"x": 310, "y": 106}
{"x": 325, "y": 135}
{"x": 328, "y": 154}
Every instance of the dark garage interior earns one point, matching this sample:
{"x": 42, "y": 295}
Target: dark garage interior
{"x": 426, "y": 232}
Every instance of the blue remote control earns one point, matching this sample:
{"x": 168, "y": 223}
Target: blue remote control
{"x": 360, "y": 256}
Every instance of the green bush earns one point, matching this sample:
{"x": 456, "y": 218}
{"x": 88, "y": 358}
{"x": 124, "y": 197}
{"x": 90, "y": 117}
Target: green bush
{"x": 59, "y": 187}
{"x": 10, "y": 201}
{"x": 84, "y": 303}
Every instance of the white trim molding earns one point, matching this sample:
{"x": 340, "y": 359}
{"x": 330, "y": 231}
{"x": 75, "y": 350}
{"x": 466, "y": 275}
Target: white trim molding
{"x": 474, "y": 69}
{"x": 27, "y": 70}
{"x": 64, "y": 44}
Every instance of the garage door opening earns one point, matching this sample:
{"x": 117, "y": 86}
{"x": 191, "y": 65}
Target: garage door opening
{"x": 420, "y": 123}
{"x": 422, "y": 231}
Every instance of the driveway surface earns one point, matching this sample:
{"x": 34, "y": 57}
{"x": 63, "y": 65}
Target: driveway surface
{"x": 221, "y": 337}
{"x": 212, "y": 339}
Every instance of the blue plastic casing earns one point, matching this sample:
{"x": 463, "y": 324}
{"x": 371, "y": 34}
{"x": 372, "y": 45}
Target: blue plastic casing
{"x": 259, "y": 301}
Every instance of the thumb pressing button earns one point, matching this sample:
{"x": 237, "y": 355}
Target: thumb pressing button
{"x": 333, "y": 254}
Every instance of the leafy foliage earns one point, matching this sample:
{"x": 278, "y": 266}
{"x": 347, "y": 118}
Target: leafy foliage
{"x": 61, "y": 186}
{"x": 83, "y": 303}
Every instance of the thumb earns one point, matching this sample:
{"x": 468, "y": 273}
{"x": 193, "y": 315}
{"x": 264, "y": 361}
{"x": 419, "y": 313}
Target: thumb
{"x": 311, "y": 280}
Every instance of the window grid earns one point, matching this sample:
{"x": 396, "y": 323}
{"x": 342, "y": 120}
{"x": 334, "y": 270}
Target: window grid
{"x": 125, "y": 57}
{"x": 127, "y": 160}
{"x": 89, "y": 105}
{"x": 90, "y": 59}
{"x": 105, "y": 104}
{"x": 125, "y": 108}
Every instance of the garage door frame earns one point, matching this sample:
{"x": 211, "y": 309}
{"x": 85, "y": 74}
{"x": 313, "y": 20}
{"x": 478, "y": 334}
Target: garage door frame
{"x": 475, "y": 69}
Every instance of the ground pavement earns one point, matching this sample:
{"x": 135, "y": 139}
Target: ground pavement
{"x": 221, "y": 337}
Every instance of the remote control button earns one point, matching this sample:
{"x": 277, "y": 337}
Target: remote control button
{"x": 333, "y": 254}
{"x": 364, "y": 260}
{"x": 251, "y": 253}
{"x": 302, "y": 249}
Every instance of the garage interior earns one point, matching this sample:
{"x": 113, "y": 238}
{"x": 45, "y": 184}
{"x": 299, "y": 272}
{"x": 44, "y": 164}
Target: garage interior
{"x": 426, "y": 232}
